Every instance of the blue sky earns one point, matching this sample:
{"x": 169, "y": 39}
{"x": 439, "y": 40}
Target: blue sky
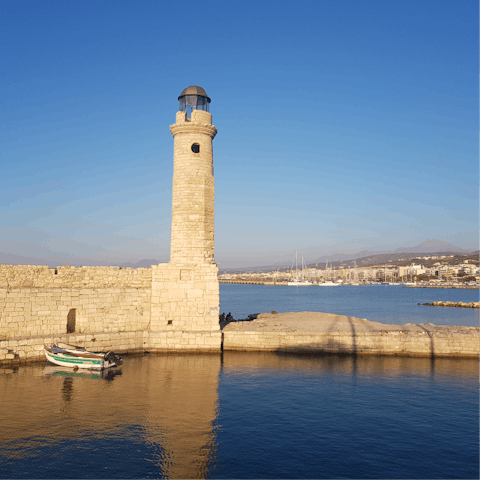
{"x": 343, "y": 125}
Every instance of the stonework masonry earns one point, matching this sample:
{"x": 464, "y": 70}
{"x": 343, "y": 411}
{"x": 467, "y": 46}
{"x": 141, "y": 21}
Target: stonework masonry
{"x": 37, "y": 300}
{"x": 315, "y": 332}
{"x": 124, "y": 309}
{"x": 185, "y": 292}
{"x": 193, "y": 199}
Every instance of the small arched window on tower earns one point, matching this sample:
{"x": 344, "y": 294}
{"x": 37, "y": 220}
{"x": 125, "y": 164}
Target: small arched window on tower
{"x": 196, "y": 148}
{"x": 72, "y": 314}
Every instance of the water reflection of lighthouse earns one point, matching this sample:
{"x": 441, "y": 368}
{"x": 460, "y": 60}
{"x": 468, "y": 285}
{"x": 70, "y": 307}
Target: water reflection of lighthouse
{"x": 183, "y": 404}
{"x": 164, "y": 408}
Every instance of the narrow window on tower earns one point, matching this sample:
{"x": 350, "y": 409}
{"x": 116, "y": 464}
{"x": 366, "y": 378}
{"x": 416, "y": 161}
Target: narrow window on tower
{"x": 196, "y": 148}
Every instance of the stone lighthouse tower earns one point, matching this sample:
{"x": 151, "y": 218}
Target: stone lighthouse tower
{"x": 185, "y": 292}
{"x": 193, "y": 182}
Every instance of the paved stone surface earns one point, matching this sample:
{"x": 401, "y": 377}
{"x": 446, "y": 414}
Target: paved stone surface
{"x": 329, "y": 333}
{"x": 318, "y": 322}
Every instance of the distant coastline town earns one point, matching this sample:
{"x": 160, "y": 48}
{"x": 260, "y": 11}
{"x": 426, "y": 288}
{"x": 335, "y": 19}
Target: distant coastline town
{"x": 428, "y": 270}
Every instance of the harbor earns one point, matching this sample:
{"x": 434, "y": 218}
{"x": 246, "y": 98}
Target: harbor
{"x": 158, "y": 236}
{"x": 421, "y": 271}
{"x": 222, "y": 416}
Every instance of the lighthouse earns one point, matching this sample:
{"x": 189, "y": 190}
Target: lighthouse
{"x": 185, "y": 291}
{"x": 193, "y": 192}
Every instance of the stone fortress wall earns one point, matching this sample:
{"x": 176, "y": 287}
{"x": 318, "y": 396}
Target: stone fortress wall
{"x": 38, "y": 300}
{"x": 96, "y": 307}
{"x": 162, "y": 308}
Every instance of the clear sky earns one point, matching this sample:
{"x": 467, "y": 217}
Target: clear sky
{"x": 343, "y": 124}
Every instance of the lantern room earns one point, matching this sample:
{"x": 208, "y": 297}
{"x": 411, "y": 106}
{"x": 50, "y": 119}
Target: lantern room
{"x": 193, "y": 98}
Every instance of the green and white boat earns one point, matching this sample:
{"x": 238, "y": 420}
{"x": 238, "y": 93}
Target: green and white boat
{"x": 75, "y": 357}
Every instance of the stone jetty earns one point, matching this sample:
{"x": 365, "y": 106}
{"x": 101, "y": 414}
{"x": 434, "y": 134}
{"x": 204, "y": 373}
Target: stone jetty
{"x": 314, "y": 332}
{"x": 461, "y": 287}
{"x": 453, "y": 304}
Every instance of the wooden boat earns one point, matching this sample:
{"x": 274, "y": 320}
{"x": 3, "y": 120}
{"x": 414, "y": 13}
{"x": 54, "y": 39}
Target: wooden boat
{"x": 72, "y": 356}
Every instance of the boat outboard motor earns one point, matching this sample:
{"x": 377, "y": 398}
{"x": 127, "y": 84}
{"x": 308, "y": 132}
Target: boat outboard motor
{"x": 111, "y": 357}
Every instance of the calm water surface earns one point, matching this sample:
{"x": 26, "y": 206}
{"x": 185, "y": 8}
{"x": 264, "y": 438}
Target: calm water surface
{"x": 255, "y": 415}
{"x": 379, "y": 303}
{"x": 243, "y": 415}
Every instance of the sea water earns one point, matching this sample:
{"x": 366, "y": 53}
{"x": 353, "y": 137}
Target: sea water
{"x": 379, "y": 303}
{"x": 243, "y": 415}
{"x": 255, "y": 415}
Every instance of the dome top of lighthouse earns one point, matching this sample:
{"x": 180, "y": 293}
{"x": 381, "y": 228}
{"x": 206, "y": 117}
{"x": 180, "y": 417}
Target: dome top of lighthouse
{"x": 195, "y": 90}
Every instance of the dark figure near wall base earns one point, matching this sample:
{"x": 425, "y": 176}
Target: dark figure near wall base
{"x": 221, "y": 317}
{"x": 229, "y": 317}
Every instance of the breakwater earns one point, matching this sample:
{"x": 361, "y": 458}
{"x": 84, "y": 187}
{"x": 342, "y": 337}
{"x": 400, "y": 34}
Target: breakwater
{"x": 314, "y": 332}
{"x": 260, "y": 282}
{"x": 453, "y": 304}
{"x": 252, "y": 282}
{"x": 461, "y": 287}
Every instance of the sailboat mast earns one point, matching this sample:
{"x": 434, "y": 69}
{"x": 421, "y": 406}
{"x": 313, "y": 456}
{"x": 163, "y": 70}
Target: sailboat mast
{"x": 296, "y": 269}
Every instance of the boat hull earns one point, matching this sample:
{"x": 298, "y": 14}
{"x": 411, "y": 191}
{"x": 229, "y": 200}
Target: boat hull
{"x": 65, "y": 360}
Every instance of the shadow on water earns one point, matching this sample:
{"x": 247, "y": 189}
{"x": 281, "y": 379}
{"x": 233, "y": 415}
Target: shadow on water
{"x": 351, "y": 365}
{"x": 338, "y": 349}
{"x": 432, "y": 349}
{"x": 330, "y": 347}
{"x": 374, "y": 365}
{"x": 67, "y": 388}
{"x": 354, "y": 341}
{"x": 107, "y": 374}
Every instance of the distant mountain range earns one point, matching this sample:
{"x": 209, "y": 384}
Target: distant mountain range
{"x": 431, "y": 246}
{"x": 389, "y": 257}
{"x": 368, "y": 257}
{"x": 12, "y": 259}
{"x": 428, "y": 246}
